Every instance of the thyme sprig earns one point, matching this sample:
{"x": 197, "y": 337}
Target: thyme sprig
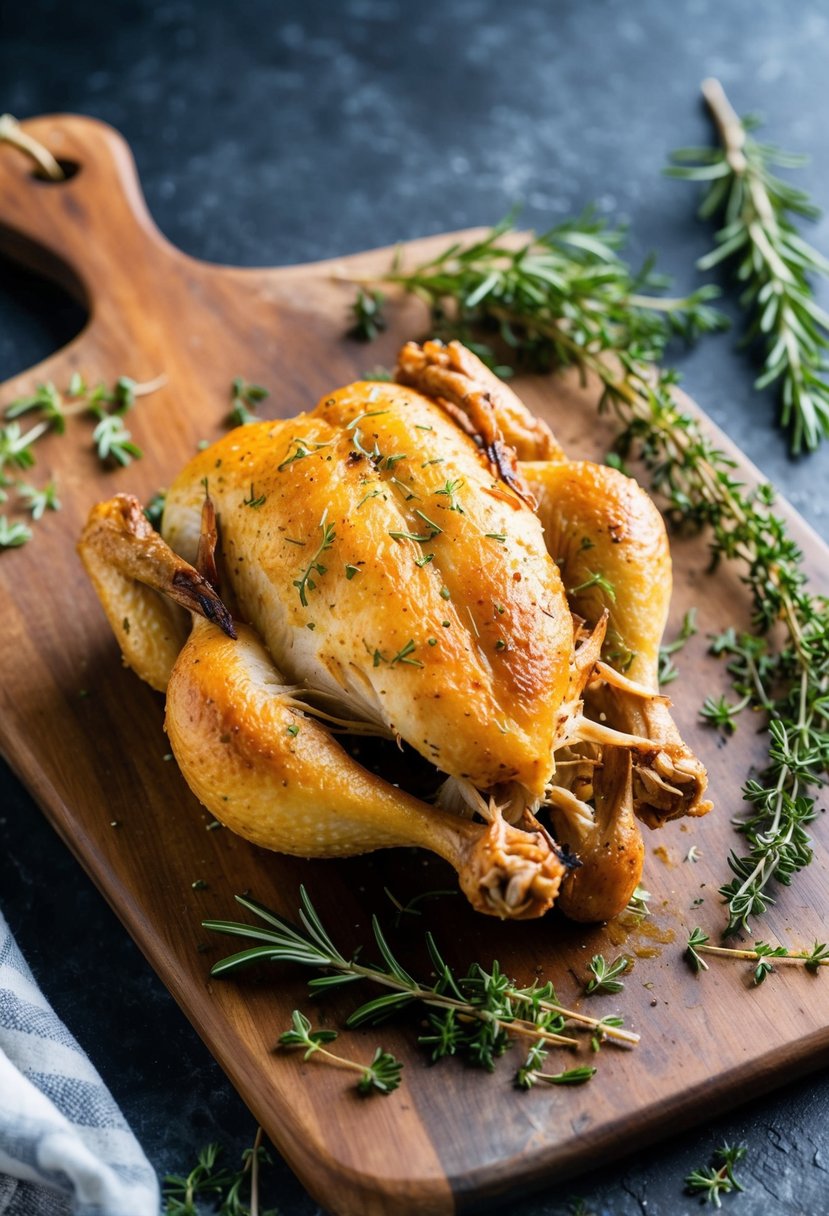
{"x": 605, "y": 975}
{"x": 223, "y": 1188}
{"x": 761, "y": 955}
{"x": 714, "y": 1180}
{"x": 667, "y": 671}
{"x": 381, "y": 1075}
{"x": 513, "y": 286}
{"x": 475, "y": 1016}
{"x": 533, "y": 294}
{"x": 759, "y": 241}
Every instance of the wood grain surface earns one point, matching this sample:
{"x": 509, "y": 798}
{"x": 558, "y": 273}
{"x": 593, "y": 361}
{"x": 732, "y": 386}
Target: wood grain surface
{"x": 86, "y": 736}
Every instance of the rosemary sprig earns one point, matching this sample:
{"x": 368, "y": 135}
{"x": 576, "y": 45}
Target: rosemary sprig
{"x": 382, "y": 1075}
{"x": 474, "y": 1016}
{"x": 516, "y": 288}
{"x": 760, "y": 243}
{"x": 761, "y": 955}
{"x": 713, "y": 1181}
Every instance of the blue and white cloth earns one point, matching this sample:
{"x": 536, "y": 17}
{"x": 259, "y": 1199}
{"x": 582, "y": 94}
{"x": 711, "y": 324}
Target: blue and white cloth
{"x": 65, "y": 1147}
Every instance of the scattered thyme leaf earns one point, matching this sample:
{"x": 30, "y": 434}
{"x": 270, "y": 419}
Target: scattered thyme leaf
{"x": 712, "y": 1181}
{"x": 605, "y": 976}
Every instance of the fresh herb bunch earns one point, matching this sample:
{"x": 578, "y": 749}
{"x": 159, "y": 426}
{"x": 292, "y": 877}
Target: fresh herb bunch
{"x": 474, "y": 1017}
{"x": 714, "y": 1180}
{"x": 758, "y": 240}
{"x": 520, "y": 289}
{"x": 535, "y": 294}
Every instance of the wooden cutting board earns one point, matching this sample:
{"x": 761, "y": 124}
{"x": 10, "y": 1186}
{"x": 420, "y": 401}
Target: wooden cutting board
{"x": 86, "y": 736}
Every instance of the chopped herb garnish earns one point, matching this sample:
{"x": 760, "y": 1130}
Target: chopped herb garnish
{"x": 365, "y": 498}
{"x": 305, "y": 582}
{"x": 375, "y": 455}
{"x": 596, "y": 580}
{"x": 350, "y": 571}
{"x": 255, "y": 500}
{"x": 422, "y": 537}
{"x": 299, "y": 454}
{"x": 401, "y": 485}
{"x": 402, "y": 656}
{"x": 436, "y": 529}
{"x": 449, "y": 490}
{"x": 365, "y": 414}
{"x": 500, "y": 536}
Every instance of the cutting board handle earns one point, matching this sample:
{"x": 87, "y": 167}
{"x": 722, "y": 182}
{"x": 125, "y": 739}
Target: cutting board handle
{"x": 91, "y": 232}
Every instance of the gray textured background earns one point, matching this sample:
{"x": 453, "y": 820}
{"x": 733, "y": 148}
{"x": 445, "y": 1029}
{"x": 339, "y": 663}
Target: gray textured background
{"x": 268, "y": 133}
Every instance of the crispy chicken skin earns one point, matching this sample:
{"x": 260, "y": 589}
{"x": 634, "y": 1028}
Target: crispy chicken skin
{"x": 417, "y": 560}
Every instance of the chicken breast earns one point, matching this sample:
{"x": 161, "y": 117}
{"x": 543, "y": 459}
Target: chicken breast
{"x": 380, "y": 561}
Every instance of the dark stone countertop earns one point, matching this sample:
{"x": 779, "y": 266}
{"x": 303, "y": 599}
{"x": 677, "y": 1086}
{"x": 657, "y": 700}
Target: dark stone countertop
{"x": 268, "y": 133}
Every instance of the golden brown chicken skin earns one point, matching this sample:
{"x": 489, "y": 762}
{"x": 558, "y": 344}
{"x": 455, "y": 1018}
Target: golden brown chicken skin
{"x": 392, "y": 567}
{"x": 378, "y": 558}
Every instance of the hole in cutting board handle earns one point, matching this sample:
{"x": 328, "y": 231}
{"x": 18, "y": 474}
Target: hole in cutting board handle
{"x": 71, "y": 169}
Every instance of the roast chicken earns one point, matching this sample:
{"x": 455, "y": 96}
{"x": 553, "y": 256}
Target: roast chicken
{"x": 416, "y": 560}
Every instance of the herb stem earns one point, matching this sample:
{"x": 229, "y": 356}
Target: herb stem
{"x": 612, "y": 1032}
{"x": 429, "y": 997}
{"x": 253, "y": 1160}
{"x": 751, "y": 955}
{"x": 729, "y": 128}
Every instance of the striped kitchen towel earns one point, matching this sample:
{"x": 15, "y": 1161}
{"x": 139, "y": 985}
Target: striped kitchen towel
{"x": 65, "y": 1147}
